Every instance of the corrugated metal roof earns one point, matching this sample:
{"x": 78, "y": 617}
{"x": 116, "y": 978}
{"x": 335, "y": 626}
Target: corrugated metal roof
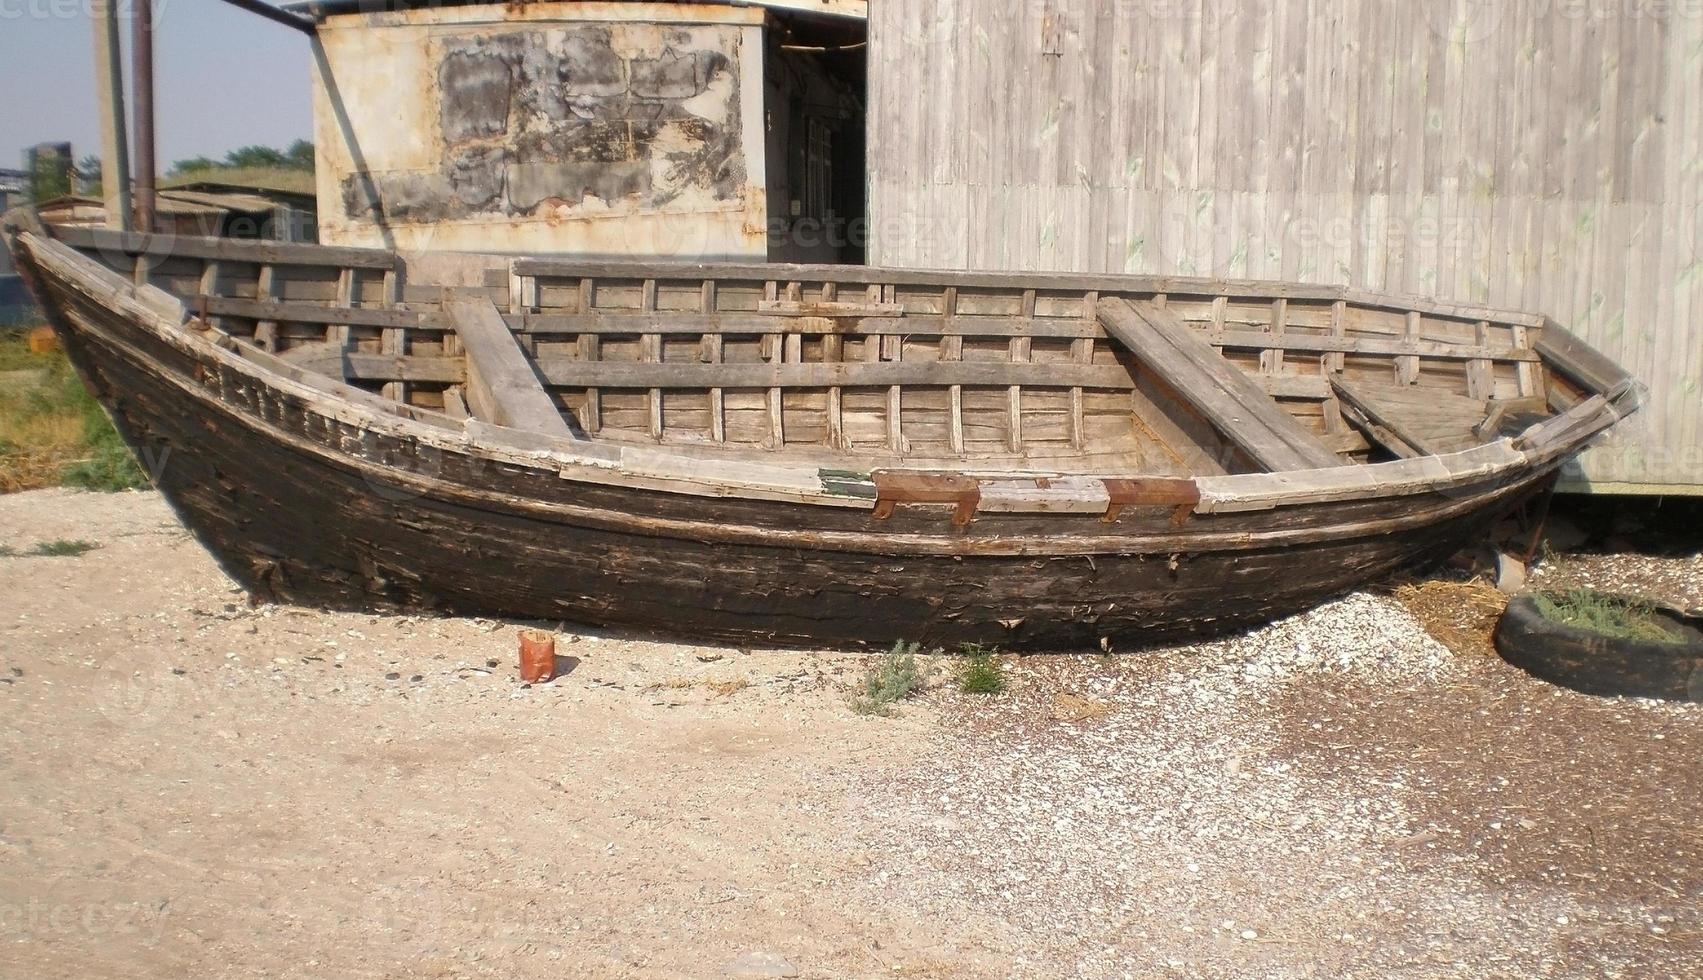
{"x": 176, "y": 202}
{"x": 263, "y": 181}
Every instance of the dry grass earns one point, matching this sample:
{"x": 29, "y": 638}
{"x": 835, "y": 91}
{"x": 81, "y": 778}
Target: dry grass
{"x": 41, "y": 422}
{"x": 723, "y": 689}
{"x": 51, "y": 431}
{"x": 1461, "y": 615}
{"x": 673, "y": 684}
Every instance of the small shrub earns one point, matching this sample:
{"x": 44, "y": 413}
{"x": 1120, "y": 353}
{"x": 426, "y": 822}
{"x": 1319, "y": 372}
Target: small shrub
{"x": 980, "y": 673}
{"x": 7, "y": 551}
{"x": 1605, "y": 615}
{"x": 889, "y": 682}
{"x": 63, "y": 549}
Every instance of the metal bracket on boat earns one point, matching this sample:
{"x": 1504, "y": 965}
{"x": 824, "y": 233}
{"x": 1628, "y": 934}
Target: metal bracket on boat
{"x": 892, "y": 489}
{"x": 1181, "y": 495}
{"x": 203, "y": 319}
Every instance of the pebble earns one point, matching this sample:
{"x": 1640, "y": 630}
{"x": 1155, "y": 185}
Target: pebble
{"x": 1100, "y": 819}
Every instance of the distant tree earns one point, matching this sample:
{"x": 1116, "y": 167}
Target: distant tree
{"x": 300, "y": 155}
{"x": 50, "y": 177}
{"x": 192, "y": 165}
{"x": 89, "y": 176}
{"x": 255, "y": 156}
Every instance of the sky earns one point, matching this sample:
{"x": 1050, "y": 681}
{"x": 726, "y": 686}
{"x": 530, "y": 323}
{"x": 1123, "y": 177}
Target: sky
{"x": 223, "y": 79}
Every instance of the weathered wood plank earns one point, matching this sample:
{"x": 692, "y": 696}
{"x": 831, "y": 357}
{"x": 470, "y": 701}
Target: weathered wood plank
{"x": 730, "y": 322}
{"x": 964, "y": 325}
{"x": 793, "y": 306}
{"x": 1228, "y": 398}
{"x": 502, "y": 387}
{"x": 339, "y": 364}
{"x": 393, "y": 341}
{"x": 570, "y": 373}
{"x": 1570, "y": 356}
{"x": 590, "y": 349}
{"x": 231, "y": 249}
{"x": 308, "y": 313}
{"x": 266, "y": 327}
{"x": 712, "y": 354}
{"x": 1383, "y": 427}
{"x": 952, "y": 349}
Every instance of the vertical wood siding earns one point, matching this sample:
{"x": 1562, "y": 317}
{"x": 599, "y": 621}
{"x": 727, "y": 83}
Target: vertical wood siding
{"x": 1545, "y": 155}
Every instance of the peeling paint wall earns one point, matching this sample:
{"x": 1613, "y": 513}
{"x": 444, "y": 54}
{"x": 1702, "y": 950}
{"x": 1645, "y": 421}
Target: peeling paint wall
{"x": 591, "y": 129}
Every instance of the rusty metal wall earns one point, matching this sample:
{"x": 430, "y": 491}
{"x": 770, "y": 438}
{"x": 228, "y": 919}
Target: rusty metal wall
{"x": 599, "y": 129}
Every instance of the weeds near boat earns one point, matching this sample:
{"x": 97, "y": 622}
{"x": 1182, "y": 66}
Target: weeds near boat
{"x": 890, "y": 681}
{"x": 52, "y": 431}
{"x": 1605, "y": 615}
{"x": 980, "y": 673}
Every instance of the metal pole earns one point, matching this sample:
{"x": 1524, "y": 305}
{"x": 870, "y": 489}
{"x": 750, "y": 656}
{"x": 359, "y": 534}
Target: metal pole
{"x": 109, "y": 89}
{"x": 142, "y": 72}
{"x": 275, "y": 15}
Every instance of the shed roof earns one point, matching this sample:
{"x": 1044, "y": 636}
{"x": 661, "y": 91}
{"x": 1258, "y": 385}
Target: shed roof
{"x": 168, "y": 202}
{"x": 293, "y": 186}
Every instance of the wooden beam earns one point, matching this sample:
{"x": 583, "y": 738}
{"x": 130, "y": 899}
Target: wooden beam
{"x": 109, "y": 91}
{"x": 571, "y": 373}
{"x": 1228, "y": 398}
{"x": 1378, "y": 423}
{"x": 502, "y": 387}
{"x": 231, "y": 249}
{"x": 966, "y": 325}
{"x": 1567, "y": 355}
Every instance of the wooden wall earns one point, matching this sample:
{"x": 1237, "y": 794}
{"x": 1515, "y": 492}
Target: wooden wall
{"x": 1538, "y": 154}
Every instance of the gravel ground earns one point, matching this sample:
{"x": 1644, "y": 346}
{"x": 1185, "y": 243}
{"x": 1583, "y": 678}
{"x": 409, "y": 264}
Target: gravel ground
{"x": 195, "y": 787}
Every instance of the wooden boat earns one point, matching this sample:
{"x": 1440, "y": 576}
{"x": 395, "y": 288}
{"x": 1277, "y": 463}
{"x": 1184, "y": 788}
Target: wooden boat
{"x": 808, "y": 455}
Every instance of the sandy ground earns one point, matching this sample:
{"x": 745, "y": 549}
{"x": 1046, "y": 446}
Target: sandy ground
{"x": 192, "y": 787}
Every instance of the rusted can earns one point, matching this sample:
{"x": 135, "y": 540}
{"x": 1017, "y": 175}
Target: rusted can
{"x": 537, "y": 656}
{"x": 42, "y": 341}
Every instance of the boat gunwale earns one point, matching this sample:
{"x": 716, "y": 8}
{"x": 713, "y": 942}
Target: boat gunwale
{"x": 761, "y": 478}
{"x": 1191, "y": 540}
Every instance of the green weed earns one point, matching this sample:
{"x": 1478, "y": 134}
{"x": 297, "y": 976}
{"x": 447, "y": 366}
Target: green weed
{"x": 1606, "y": 615}
{"x": 53, "y": 432}
{"x": 980, "y": 673}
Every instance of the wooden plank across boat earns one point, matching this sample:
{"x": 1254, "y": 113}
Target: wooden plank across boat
{"x": 808, "y": 454}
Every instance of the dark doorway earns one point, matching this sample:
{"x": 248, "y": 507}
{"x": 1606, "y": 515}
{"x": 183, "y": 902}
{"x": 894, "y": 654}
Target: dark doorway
{"x": 817, "y": 81}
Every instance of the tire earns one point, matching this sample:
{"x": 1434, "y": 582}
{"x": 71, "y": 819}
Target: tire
{"x": 1595, "y": 664}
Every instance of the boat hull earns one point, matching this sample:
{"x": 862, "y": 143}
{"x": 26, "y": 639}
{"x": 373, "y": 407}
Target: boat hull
{"x": 301, "y": 507}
